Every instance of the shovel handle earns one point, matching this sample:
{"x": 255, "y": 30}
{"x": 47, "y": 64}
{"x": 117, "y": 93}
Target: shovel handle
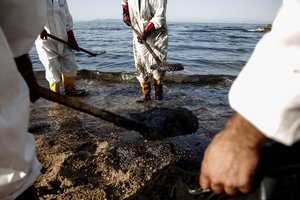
{"x": 71, "y": 102}
{"x": 161, "y": 66}
{"x": 147, "y": 46}
{"x": 71, "y": 45}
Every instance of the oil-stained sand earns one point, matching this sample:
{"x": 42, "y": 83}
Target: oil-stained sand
{"x": 84, "y": 157}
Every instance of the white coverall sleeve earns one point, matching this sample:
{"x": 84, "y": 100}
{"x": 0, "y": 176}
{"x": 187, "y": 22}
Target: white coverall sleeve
{"x": 159, "y": 8}
{"x": 267, "y": 91}
{"x": 69, "y": 25}
{"x": 20, "y": 23}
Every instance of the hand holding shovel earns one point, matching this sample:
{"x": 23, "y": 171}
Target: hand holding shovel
{"x": 160, "y": 65}
{"x": 71, "y": 45}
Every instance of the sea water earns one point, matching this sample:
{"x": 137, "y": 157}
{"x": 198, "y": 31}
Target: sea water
{"x": 203, "y": 48}
{"x": 212, "y": 55}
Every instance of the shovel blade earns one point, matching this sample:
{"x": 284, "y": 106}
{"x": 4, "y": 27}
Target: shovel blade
{"x": 168, "y": 67}
{"x": 96, "y": 53}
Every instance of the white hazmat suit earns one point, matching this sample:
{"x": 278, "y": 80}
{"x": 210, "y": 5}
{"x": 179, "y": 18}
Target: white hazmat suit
{"x": 20, "y": 23}
{"x": 267, "y": 91}
{"x": 57, "y": 57}
{"x": 142, "y": 14}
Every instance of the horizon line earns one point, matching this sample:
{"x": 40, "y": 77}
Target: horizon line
{"x": 184, "y": 21}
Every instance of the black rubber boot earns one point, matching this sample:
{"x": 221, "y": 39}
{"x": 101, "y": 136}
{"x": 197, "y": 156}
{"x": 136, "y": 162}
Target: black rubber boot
{"x": 146, "y": 89}
{"x": 70, "y": 90}
{"x": 158, "y": 90}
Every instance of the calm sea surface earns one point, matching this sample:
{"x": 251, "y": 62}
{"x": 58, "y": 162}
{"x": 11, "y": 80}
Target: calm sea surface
{"x": 203, "y": 48}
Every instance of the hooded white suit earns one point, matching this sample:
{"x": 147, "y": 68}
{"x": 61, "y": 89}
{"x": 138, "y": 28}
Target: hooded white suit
{"x": 140, "y": 15}
{"x": 267, "y": 91}
{"x": 20, "y": 23}
{"x": 57, "y": 57}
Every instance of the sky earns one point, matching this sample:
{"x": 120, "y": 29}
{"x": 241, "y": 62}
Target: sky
{"x": 252, "y": 11}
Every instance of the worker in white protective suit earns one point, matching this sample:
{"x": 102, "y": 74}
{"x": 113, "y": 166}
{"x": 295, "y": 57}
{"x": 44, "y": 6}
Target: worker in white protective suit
{"x": 58, "y": 58}
{"x": 148, "y": 17}
{"x": 20, "y": 23}
{"x": 266, "y": 98}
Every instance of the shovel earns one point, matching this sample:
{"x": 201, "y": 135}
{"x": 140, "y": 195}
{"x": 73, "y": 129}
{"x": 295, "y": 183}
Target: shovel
{"x": 160, "y": 127}
{"x": 160, "y": 65}
{"x": 72, "y": 46}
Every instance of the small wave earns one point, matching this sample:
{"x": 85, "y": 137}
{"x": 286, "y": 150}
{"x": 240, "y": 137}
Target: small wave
{"x": 198, "y": 31}
{"x": 256, "y": 30}
{"x": 233, "y": 29}
{"x": 130, "y": 77}
{"x": 177, "y": 78}
{"x": 238, "y": 37}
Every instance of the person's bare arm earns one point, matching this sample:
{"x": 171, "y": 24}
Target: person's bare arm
{"x": 24, "y": 66}
{"x": 231, "y": 159}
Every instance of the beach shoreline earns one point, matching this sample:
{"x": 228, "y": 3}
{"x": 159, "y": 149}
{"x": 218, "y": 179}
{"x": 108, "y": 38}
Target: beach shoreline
{"x": 84, "y": 157}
